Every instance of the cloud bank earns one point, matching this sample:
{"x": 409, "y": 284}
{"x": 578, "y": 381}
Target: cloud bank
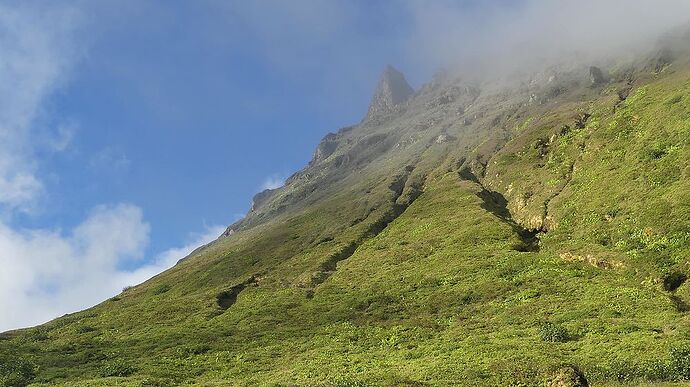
{"x": 479, "y": 36}
{"x": 471, "y": 35}
{"x": 47, "y": 273}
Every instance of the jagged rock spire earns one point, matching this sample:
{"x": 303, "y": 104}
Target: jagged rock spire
{"x": 391, "y": 91}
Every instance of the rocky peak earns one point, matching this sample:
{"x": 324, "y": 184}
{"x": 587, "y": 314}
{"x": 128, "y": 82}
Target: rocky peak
{"x": 596, "y": 76}
{"x": 391, "y": 91}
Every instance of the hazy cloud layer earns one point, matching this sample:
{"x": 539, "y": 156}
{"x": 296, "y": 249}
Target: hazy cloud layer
{"x": 474, "y": 35}
{"x": 522, "y": 35}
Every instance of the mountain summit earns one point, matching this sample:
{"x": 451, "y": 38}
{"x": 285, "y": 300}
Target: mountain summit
{"x": 391, "y": 91}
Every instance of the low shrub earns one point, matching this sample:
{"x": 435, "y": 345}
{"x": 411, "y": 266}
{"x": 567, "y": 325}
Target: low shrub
{"x": 160, "y": 289}
{"x": 553, "y": 333}
{"x": 673, "y": 280}
{"x": 679, "y": 362}
{"x": 85, "y": 329}
{"x": 116, "y": 368}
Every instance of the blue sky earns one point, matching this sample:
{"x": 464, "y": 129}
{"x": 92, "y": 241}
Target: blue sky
{"x": 186, "y": 110}
{"x": 133, "y": 131}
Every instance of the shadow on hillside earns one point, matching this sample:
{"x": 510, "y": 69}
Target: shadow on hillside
{"x": 495, "y": 203}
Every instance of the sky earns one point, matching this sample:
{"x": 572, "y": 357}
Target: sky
{"x": 133, "y": 131}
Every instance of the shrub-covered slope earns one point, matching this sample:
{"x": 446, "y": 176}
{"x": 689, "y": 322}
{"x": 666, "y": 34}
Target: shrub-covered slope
{"x": 473, "y": 234}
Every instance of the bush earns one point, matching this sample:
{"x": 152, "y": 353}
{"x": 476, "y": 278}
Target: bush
{"x": 673, "y": 280}
{"x": 675, "y": 99}
{"x": 15, "y": 372}
{"x": 160, "y": 289}
{"x": 679, "y": 362}
{"x": 85, "y": 329}
{"x": 116, "y": 368}
{"x": 36, "y": 335}
{"x": 656, "y": 370}
{"x": 347, "y": 383}
{"x": 568, "y": 376}
{"x": 553, "y": 333}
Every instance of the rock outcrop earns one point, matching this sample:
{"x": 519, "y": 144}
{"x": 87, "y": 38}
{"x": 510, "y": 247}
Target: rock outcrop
{"x": 596, "y": 76}
{"x": 391, "y": 91}
{"x": 325, "y": 148}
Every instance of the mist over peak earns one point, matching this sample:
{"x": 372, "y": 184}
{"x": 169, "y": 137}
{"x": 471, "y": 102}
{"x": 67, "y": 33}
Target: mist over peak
{"x": 529, "y": 36}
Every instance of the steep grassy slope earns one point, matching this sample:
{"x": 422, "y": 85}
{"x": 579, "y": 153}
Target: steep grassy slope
{"x": 474, "y": 235}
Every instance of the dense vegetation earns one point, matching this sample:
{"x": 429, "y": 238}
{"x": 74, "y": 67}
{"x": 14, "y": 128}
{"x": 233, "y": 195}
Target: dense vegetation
{"x": 485, "y": 240}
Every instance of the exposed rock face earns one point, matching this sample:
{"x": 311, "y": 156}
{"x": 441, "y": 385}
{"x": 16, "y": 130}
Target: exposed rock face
{"x": 661, "y": 59}
{"x": 326, "y": 147}
{"x": 596, "y": 76}
{"x": 392, "y": 90}
{"x": 261, "y": 198}
{"x": 228, "y": 232}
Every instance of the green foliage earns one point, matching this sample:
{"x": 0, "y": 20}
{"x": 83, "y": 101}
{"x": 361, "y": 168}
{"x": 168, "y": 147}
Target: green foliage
{"x": 679, "y": 362}
{"x": 553, "y": 333}
{"x": 85, "y": 329}
{"x": 156, "y": 382}
{"x": 15, "y": 371}
{"x": 160, "y": 289}
{"x": 675, "y": 99}
{"x": 116, "y": 367}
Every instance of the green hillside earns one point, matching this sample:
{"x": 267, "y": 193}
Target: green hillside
{"x": 477, "y": 233}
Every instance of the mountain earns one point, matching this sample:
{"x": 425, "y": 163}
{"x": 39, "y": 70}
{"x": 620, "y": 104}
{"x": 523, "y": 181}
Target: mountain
{"x": 513, "y": 230}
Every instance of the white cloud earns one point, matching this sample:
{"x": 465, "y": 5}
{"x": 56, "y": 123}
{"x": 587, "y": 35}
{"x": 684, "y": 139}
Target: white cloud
{"x": 18, "y": 188}
{"x": 273, "y": 182}
{"x": 169, "y": 258}
{"x": 62, "y": 138}
{"x": 110, "y": 160}
{"x": 47, "y": 273}
{"x": 35, "y": 58}
{"x": 529, "y": 34}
